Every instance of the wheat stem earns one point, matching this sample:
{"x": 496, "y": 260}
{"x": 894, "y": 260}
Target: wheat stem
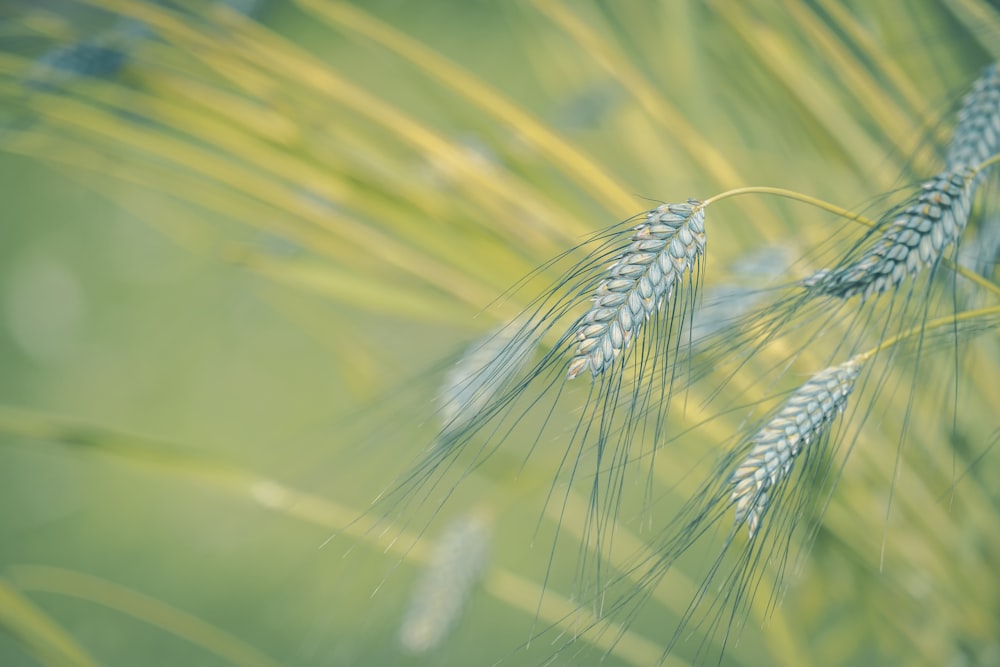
{"x": 857, "y": 217}
{"x": 986, "y": 164}
{"x": 791, "y": 194}
{"x": 947, "y": 320}
{"x": 581, "y": 167}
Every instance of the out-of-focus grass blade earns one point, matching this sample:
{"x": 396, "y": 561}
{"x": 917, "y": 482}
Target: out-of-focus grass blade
{"x": 497, "y": 191}
{"x": 588, "y": 174}
{"x": 699, "y": 149}
{"x": 39, "y": 634}
{"x": 351, "y": 288}
{"x": 44, "y": 579}
{"x": 894, "y": 121}
{"x": 861, "y": 36}
{"x": 982, "y": 19}
{"x": 92, "y": 122}
{"x": 520, "y": 593}
{"x": 779, "y": 56}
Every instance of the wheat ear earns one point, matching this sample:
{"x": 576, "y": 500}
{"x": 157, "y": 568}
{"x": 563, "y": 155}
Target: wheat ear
{"x": 977, "y": 134}
{"x": 476, "y": 379}
{"x": 920, "y": 234}
{"x": 456, "y": 566}
{"x": 915, "y": 238}
{"x": 664, "y": 247}
{"x": 803, "y": 419}
{"x": 102, "y": 56}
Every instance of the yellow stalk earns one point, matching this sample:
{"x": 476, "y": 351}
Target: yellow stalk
{"x": 90, "y": 121}
{"x": 45, "y": 579}
{"x": 862, "y": 37}
{"x": 50, "y": 644}
{"x": 518, "y": 592}
{"x": 894, "y": 121}
{"x": 587, "y": 173}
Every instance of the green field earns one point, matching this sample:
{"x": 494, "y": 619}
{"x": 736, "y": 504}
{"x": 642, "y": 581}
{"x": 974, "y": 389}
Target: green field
{"x": 243, "y": 255}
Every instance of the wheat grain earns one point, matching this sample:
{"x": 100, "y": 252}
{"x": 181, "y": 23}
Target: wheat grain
{"x": 756, "y": 479}
{"x": 664, "y": 247}
{"x": 915, "y": 238}
{"x": 805, "y": 417}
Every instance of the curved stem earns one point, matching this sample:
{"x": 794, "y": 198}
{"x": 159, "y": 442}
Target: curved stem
{"x": 932, "y": 324}
{"x": 792, "y": 194}
{"x": 966, "y": 273}
{"x": 986, "y": 165}
{"x": 972, "y": 276}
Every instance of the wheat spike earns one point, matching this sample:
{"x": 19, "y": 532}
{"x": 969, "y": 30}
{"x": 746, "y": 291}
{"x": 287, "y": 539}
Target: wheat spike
{"x": 805, "y": 417}
{"x": 485, "y": 369}
{"x": 915, "y": 238}
{"x": 977, "y": 134}
{"x": 457, "y": 564}
{"x": 664, "y": 247}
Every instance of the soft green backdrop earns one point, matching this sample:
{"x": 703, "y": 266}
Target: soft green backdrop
{"x": 232, "y": 274}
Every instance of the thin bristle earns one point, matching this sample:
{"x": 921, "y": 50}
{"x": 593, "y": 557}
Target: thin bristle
{"x": 483, "y": 372}
{"x": 664, "y": 247}
{"x": 805, "y": 417}
{"x": 915, "y": 238}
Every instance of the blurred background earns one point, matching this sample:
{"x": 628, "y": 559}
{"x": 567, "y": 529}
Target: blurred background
{"x": 243, "y": 243}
